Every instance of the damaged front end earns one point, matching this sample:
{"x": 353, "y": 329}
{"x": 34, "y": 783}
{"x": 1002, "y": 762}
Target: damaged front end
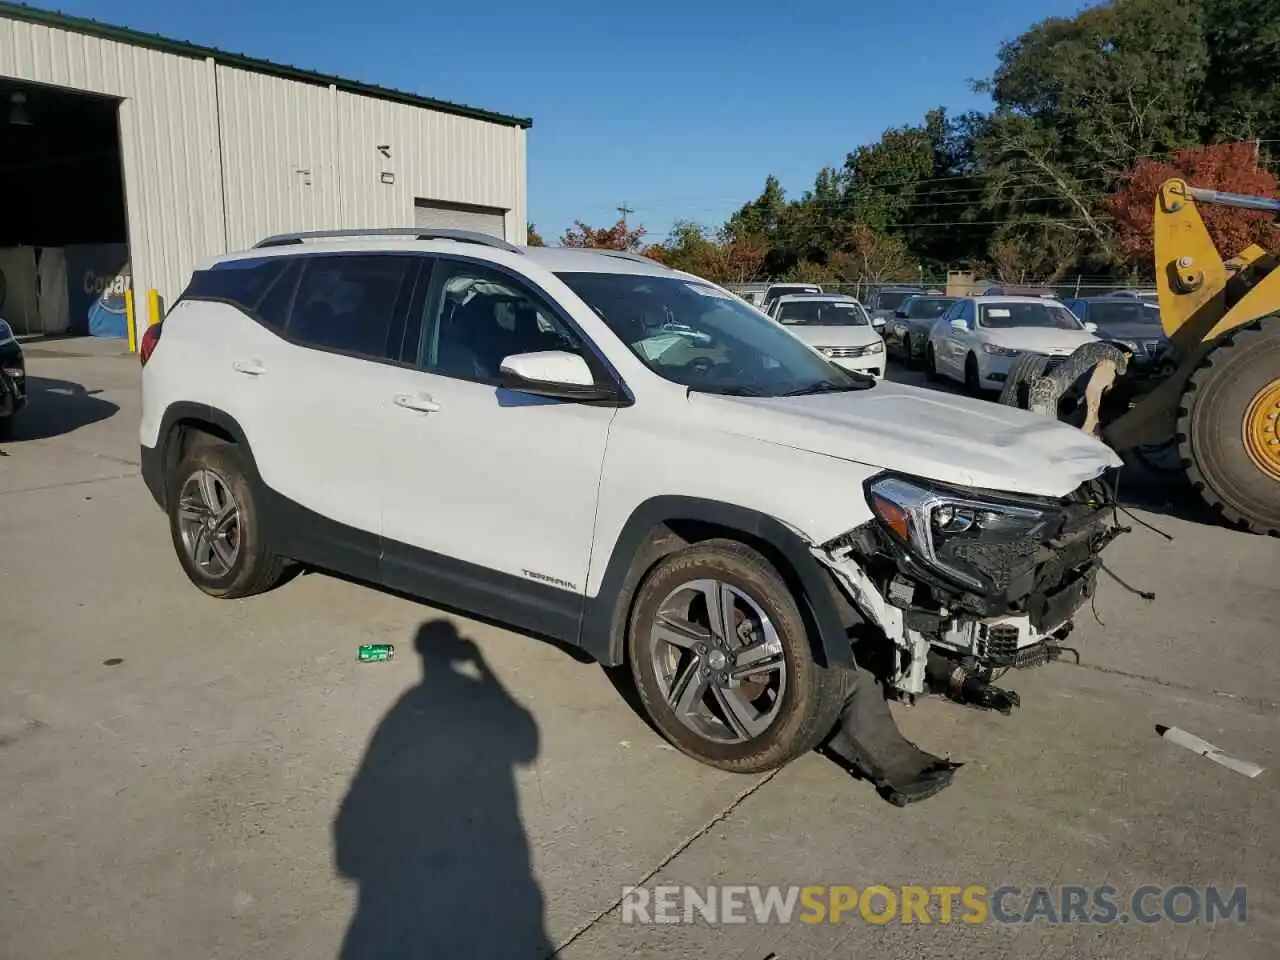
{"x": 967, "y": 583}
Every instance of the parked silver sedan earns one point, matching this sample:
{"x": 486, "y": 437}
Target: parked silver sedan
{"x": 912, "y": 321}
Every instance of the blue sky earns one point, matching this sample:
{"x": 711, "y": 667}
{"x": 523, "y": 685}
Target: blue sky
{"x": 678, "y": 109}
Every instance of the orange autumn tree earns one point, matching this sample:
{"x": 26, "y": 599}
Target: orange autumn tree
{"x": 1232, "y": 167}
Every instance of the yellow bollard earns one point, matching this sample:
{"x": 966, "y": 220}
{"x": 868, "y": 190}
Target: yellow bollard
{"x": 153, "y": 307}
{"x": 131, "y": 321}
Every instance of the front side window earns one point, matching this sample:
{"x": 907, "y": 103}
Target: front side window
{"x": 349, "y": 303}
{"x": 693, "y": 334}
{"x": 823, "y": 313}
{"x": 1003, "y": 316}
{"x": 479, "y": 316}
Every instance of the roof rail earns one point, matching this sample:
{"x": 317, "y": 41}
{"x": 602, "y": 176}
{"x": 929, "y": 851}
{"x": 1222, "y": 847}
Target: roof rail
{"x": 616, "y": 254}
{"x": 414, "y": 233}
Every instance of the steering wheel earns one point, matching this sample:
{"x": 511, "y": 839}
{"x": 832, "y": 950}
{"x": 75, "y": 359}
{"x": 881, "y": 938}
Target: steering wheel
{"x": 701, "y": 365}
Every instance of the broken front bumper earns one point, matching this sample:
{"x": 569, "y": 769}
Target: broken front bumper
{"x": 1040, "y": 587}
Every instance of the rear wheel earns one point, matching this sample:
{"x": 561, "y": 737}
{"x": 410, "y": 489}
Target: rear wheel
{"x": 722, "y": 661}
{"x": 1229, "y": 427}
{"x": 216, "y": 526}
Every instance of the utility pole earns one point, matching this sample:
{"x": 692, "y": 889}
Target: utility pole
{"x": 624, "y": 210}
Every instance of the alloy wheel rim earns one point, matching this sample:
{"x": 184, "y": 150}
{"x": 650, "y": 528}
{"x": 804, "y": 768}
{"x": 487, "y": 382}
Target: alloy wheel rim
{"x": 209, "y": 523}
{"x": 719, "y": 661}
{"x": 1261, "y": 429}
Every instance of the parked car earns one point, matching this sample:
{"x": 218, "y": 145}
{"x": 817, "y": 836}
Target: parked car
{"x": 1131, "y": 322}
{"x": 1150, "y": 296}
{"x": 883, "y": 301}
{"x": 838, "y": 327}
{"x": 914, "y": 320}
{"x": 596, "y": 449}
{"x": 776, "y": 290}
{"x": 978, "y": 339}
{"x": 13, "y": 377}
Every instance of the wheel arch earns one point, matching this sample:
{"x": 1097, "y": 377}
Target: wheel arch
{"x": 662, "y": 525}
{"x": 183, "y": 425}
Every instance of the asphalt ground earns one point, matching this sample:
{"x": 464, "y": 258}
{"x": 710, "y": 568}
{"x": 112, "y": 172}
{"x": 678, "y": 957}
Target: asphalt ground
{"x": 185, "y": 777}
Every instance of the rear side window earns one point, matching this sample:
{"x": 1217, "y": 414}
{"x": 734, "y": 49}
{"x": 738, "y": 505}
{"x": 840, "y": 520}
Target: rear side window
{"x": 350, "y": 303}
{"x": 241, "y": 283}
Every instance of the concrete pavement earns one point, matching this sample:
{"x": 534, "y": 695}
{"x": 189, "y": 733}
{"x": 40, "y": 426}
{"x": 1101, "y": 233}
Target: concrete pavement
{"x": 181, "y": 776}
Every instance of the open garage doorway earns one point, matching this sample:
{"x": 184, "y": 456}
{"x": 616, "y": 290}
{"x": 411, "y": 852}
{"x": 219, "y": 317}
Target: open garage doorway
{"x": 64, "y": 254}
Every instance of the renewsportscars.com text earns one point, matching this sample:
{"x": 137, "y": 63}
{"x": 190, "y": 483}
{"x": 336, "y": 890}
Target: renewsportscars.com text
{"x": 1007, "y": 904}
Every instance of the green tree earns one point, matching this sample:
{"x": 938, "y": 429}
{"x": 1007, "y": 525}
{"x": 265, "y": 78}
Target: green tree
{"x": 534, "y": 238}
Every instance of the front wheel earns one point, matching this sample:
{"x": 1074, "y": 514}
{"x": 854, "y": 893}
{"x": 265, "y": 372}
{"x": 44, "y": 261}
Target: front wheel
{"x": 930, "y": 363}
{"x": 722, "y": 660}
{"x": 972, "y": 378}
{"x": 1229, "y": 427}
{"x": 216, "y": 526}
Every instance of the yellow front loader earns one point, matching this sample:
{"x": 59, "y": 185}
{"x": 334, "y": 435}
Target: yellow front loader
{"x": 1219, "y": 408}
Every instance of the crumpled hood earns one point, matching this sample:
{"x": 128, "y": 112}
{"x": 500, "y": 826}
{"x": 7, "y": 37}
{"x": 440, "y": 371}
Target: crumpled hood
{"x": 923, "y": 433}
{"x": 1039, "y": 339}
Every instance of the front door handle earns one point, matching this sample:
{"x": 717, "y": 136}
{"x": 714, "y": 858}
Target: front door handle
{"x": 415, "y": 401}
{"x": 252, "y": 368}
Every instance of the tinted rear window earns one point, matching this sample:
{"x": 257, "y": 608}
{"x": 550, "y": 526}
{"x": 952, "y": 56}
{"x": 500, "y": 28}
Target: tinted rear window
{"x": 239, "y": 282}
{"x": 349, "y": 303}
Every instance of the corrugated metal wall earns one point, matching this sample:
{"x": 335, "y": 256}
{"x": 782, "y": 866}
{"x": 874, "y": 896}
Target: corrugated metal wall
{"x": 294, "y": 156}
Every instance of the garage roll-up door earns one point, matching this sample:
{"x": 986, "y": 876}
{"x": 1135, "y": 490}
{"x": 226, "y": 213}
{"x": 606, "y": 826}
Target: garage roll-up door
{"x": 458, "y": 216}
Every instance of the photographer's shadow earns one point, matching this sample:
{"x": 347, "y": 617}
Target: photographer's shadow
{"x": 430, "y": 829}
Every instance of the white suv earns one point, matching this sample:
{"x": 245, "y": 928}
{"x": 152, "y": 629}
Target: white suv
{"x": 590, "y": 447}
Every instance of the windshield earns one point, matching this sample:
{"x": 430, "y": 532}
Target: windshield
{"x": 892, "y": 299}
{"x": 1046, "y": 315}
{"x": 696, "y": 335}
{"x": 1119, "y": 312}
{"x": 786, "y": 290}
{"x": 823, "y": 313}
{"x": 926, "y": 308}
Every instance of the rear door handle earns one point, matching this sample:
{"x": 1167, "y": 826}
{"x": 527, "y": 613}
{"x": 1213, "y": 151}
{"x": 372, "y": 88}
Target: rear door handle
{"x": 419, "y": 402}
{"x": 252, "y": 368}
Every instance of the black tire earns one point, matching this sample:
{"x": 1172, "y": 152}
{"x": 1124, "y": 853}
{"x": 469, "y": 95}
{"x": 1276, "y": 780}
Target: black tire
{"x": 972, "y": 381}
{"x": 907, "y": 359}
{"x": 1211, "y": 422}
{"x": 930, "y": 363}
{"x": 1026, "y": 368}
{"x": 812, "y": 698}
{"x": 256, "y": 567}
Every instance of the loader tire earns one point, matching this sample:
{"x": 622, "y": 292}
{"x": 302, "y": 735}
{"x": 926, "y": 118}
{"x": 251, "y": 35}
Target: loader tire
{"x": 1229, "y": 427}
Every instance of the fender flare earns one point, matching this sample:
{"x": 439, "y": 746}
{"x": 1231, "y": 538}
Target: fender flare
{"x": 647, "y": 537}
{"x": 159, "y": 461}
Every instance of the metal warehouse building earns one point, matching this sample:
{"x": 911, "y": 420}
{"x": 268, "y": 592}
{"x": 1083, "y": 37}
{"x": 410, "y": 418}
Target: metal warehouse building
{"x": 128, "y": 158}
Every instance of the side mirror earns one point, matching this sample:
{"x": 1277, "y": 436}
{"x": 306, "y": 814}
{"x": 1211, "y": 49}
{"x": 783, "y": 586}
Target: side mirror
{"x": 1091, "y": 327}
{"x": 959, "y": 324}
{"x": 878, "y": 322}
{"x": 900, "y": 314}
{"x": 553, "y": 373}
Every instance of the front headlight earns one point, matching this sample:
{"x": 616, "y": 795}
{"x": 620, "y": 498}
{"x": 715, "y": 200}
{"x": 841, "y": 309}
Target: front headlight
{"x": 995, "y": 351}
{"x": 877, "y": 347}
{"x": 980, "y": 543}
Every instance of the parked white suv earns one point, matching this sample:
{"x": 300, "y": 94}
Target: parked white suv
{"x": 588, "y": 446}
{"x": 978, "y": 340}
